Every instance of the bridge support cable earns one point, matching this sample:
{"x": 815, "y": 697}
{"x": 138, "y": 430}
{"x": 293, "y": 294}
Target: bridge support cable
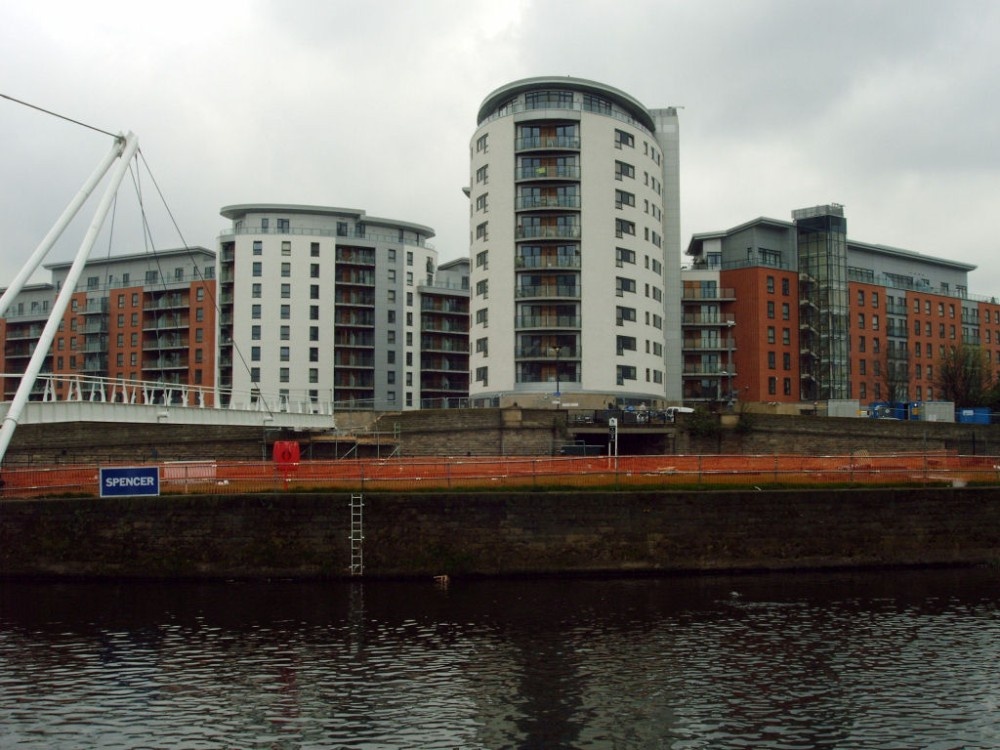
{"x": 128, "y": 147}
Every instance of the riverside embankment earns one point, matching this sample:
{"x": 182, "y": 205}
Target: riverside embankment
{"x": 307, "y": 535}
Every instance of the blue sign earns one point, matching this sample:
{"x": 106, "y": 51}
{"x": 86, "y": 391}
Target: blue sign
{"x": 126, "y": 481}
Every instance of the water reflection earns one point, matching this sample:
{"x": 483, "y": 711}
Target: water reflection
{"x": 779, "y": 661}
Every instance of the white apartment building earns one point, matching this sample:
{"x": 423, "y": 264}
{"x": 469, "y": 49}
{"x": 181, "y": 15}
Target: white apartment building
{"x": 321, "y": 306}
{"x": 575, "y": 245}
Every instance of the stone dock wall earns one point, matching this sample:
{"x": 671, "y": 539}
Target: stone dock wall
{"x": 407, "y": 535}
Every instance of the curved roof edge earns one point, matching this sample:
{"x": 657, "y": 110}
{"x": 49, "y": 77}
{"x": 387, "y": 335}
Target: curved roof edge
{"x": 240, "y": 209}
{"x": 627, "y": 101}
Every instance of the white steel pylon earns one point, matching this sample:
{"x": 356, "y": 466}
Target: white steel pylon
{"x": 122, "y": 152}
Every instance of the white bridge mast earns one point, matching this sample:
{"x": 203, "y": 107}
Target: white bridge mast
{"x": 122, "y": 151}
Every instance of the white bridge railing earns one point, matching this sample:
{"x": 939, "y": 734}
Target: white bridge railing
{"x": 76, "y": 388}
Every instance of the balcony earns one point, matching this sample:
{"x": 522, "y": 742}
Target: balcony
{"x": 550, "y": 232}
{"x": 547, "y": 261}
{"x": 530, "y": 202}
{"x": 702, "y": 295}
{"x": 703, "y": 345}
{"x": 698, "y": 369}
{"x": 547, "y": 321}
{"x": 721, "y": 319}
{"x": 548, "y": 290}
{"x": 548, "y": 353}
{"x": 162, "y": 343}
{"x": 444, "y": 344}
{"x": 548, "y": 172}
{"x": 548, "y": 142}
{"x": 165, "y": 363}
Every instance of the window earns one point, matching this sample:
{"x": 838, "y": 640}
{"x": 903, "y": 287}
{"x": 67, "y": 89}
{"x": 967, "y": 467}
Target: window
{"x": 314, "y": 291}
{"x": 283, "y": 227}
{"x": 482, "y": 202}
{"x": 286, "y": 291}
{"x": 286, "y": 269}
{"x": 861, "y": 321}
{"x": 624, "y": 313}
{"x": 483, "y": 288}
{"x": 861, "y": 343}
{"x": 770, "y": 335}
{"x": 623, "y": 227}
{"x": 874, "y": 322}
{"x": 482, "y": 259}
{"x": 314, "y": 270}
{"x": 624, "y": 139}
{"x": 286, "y": 312}
{"x": 482, "y": 375}
{"x": 255, "y": 332}
{"x": 623, "y": 285}
{"x": 285, "y": 333}
{"x": 786, "y": 336}
{"x": 624, "y": 170}
{"x": 482, "y": 174}
{"x": 770, "y": 310}
{"x": 772, "y": 385}
{"x": 255, "y": 354}
{"x": 258, "y": 268}
{"x": 313, "y": 312}
{"x": 624, "y": 198}
{"x": 483, "y": 346}
{"x": 786, "y": 311}
{"x": 482, "y": 317}
{"x": 258, "y": 247}
{"x": 623, "y": 255}
{"x": 482, "y": 143}
{"x": 861, "y": 297}
{"x": 624, "y": 373}
{"x": 784, "y": 287}
{"x": 625, "y": 343}
{"x": 284, "y": 353}
{"x": 283, "y": 374}
{"x": 770, "y": 285}
{"x": 788, "y": 386}
{"x": 255, "y": 312}
{"x": 771, "y": 361}
{"x": 482, "y": 231}
{"x": 786, "y": 361}
{"x": 314, "y": 249}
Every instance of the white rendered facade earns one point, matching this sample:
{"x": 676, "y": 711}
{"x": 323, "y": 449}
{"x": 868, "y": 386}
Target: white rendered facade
{"x": 575, "y": 245}
{"x": 321, "y": 305}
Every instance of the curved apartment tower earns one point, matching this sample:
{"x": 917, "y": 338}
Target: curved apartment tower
{"x": 575, "y": 246}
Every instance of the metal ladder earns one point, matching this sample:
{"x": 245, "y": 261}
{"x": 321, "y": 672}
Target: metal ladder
{"x": 357, "y": 534}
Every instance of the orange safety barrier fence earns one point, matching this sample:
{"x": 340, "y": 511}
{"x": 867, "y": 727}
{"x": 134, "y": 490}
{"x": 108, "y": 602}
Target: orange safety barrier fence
{"x": 516, "y": 472}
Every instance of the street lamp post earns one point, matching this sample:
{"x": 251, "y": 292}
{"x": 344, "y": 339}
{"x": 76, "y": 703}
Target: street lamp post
{"x": 557, "y": 349}
{"x": 729, "y": 356}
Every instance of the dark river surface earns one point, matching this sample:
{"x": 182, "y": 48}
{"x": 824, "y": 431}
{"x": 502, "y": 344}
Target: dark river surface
{"x": 902, "y": 659}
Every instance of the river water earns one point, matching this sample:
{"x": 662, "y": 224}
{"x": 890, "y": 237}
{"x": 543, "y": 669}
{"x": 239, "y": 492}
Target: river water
{"x": 905, "y": 659}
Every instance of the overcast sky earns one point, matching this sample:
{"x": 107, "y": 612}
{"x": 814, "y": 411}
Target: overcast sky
{"x": 890, "y": 108}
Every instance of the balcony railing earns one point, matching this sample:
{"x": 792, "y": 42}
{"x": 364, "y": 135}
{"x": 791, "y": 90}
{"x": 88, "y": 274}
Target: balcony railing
{"x": 710, "y": 344}
{"x": 547, "y": 321}
{"x": 548, "y": 352}
{"x": 548, "y": 172}
{"x": 709, "y": 294}
{"x": 530, "y": 143}
{"x": 709, "y": 320}
{"x": 547, "y": 261}
{"x": 548, "y": 233}
{"x": 525, "y": 202}
{"x": 548, "y": 290}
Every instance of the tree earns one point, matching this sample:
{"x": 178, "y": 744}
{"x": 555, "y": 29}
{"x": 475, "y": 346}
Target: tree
{"x": 895, "y": 375}
{"x": 964, "y": 376}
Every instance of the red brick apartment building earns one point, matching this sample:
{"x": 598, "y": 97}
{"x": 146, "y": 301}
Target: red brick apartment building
{"x": 803, "y": 314}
